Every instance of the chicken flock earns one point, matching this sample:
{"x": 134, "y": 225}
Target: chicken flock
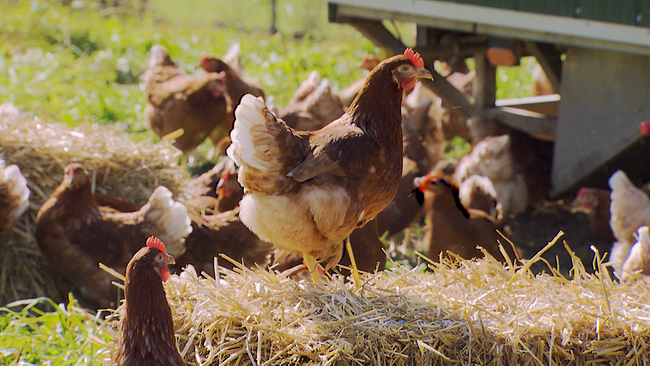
{"x": 300, "y": 186}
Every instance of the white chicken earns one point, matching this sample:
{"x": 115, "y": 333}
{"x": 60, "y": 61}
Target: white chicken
{"x": 14, "y": 195}
{"x": 639, "y": 257}
{"x": 630, "y": 209}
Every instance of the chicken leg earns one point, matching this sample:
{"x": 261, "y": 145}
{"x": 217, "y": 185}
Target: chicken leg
{"x": 312, "y": 265}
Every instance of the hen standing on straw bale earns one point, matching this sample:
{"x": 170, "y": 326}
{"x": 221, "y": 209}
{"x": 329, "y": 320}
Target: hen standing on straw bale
{"x": 307, "y": 191}
{"x": 14, "y": 195}
{"x": 630, "y": 209}
{"x": 147, "y": 335}
{"x": 197, "y": 105}
{"x": 75, "y": 233}
{"x": 453, "y": 228}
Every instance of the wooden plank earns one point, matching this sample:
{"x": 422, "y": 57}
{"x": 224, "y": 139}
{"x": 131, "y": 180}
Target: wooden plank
{"x": 535, "y": 124}
{"x": 543, "y": 104}
{"x": 485, "y": 83}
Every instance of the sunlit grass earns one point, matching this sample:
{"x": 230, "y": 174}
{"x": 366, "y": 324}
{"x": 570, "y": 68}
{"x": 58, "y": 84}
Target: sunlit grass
{"x": 30, "y": 336}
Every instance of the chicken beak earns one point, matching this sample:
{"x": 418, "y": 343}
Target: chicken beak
{"x": 170, "y": 260}
{"x": 423, "y": 73}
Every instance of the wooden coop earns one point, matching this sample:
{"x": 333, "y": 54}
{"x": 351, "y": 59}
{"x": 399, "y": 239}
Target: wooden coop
{"x": 596, "y": 54}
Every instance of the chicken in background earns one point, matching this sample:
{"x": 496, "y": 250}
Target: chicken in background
{"x": 639, "y": 258}
{"x": 14, "y": 195}
{"x": 184, "y": 108}
{"x": 595, "y": 202}
{"x": 478, "y": 193}
{"x": 215, "y": 190}
{"x": 452, "y": 227}
{"x": 233, "y": 58}
{"x": 307, "y": 191}
{"x": 147, "y": 327}
{"x": 312, "y": 106}
{"x": 453, "y": 123}
{"x": 348, "y": 94}
{"x": 541, "y": 85}
{"x": 236, "y": 88}
{"x": 630, "y": 209}
{"x": 423, "y": 148}
{"x": 222, "y": 233}
{"x": 74, "y": 233}
{"x": 492, "y": 158}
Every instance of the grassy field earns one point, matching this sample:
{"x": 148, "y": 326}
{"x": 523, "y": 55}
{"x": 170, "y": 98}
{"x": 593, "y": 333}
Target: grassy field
{"x": 80, "y": 64}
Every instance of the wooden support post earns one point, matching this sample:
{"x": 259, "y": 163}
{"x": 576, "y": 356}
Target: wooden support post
{"x": 485, "y": 87}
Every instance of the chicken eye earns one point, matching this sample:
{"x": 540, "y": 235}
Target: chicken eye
{"x": 404, "y": 68}
{"x": 159, "y": 257}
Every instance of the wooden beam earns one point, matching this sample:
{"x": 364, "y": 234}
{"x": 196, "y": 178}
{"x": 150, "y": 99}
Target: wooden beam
{"x": 375, "y": 31}
{"x": 535, "y": 124}
{"x": 485, "y": 87}
{"x": 451, "y": 97}
{"x": 549, "y": 59}
{"x": 544, "y": 104}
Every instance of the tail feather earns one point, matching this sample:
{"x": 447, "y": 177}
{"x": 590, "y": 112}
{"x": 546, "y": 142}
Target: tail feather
{"x": 251, "y": 139}
{"x": 14, "y": 194}
{"x": 168, "y": 219}
{"x": 639, "y": 256}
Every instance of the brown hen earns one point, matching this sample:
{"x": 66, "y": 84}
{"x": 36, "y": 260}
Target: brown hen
{"x": 307, "y": 191}
{"x": 147, "y": 334}
{"x": 75, "y": 233}
{"x": 184, "y": 103}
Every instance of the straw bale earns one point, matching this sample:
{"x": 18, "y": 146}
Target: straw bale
{"x": 41, "y": 150}
{"x": 458, "y": 311}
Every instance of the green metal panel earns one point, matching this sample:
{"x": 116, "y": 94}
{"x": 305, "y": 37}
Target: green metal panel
{"x": 620, "y": 12}
{"x": 643, "y": 14}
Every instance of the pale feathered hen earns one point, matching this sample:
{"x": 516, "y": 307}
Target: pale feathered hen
{"x": 307, "y": 191}
{"x": 639, "y": 257}
{"x": 14, "y": 195}
{"x": 630, "y": 209}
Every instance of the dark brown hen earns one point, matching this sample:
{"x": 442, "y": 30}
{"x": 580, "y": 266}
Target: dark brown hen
{"x": 147, "y": 335}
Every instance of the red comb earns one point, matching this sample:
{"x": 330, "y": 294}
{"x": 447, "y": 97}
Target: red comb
{"x": 153, "y": 242}
{"x": 414, "y": 57}
{"x": 644, "y": 128}
{"x": 204, "y": 58}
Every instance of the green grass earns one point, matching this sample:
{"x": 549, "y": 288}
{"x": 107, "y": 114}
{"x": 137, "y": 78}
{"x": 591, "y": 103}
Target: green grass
{"x": 30, "y": 336}
{"x": 81, "y": 64}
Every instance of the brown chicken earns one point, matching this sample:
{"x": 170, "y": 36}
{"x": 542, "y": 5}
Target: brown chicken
{"x": 312, "y": 108}
{"x": 222, "y": 233}
{"x": 630, "y": 209}
{"x": 236, "y": 87}
{"x": 453, "y": 228}
{"x": 74, "y": 233}
{"x": 14, "y": 195}
{"x": 595, "y": 203}
{"x": 215, "y": 190}
{"x": 147, "y": 327}
{"x": 197, "y": 105}
{"x": 307, "y": 191}
{"x": 422, "y": 150}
